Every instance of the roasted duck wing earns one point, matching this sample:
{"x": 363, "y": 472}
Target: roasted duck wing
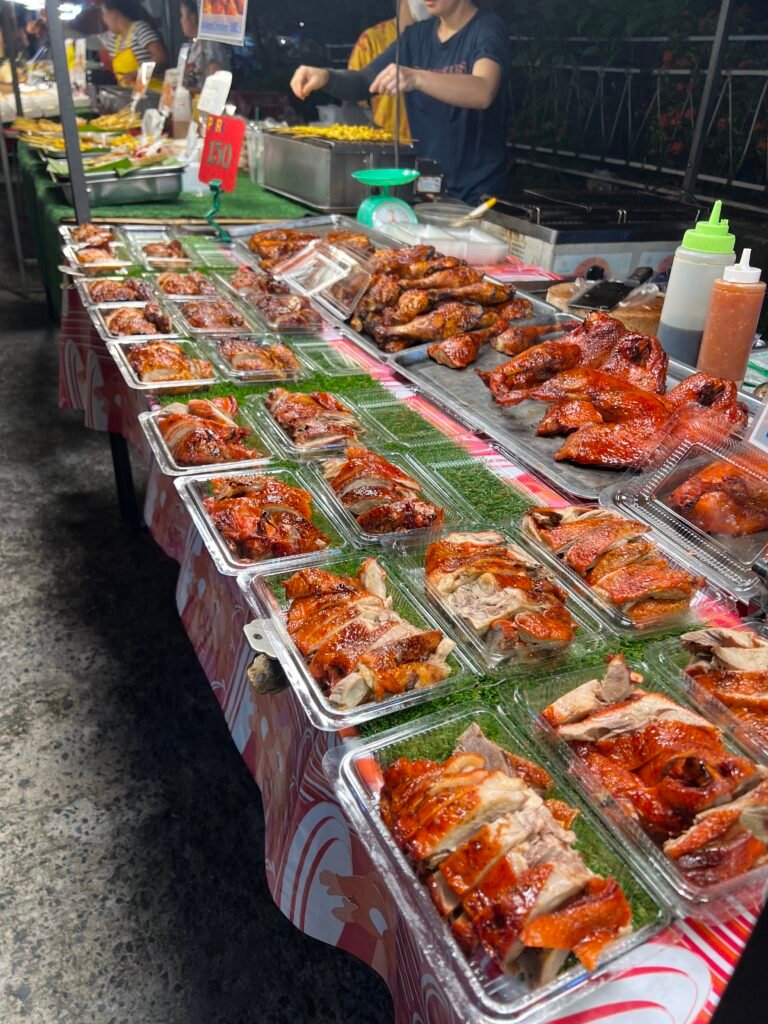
{"x": 128, "y": 289}
{"x": 218, "y": 315}
{"x": 262, "y": 517}
{"x": 355, "y": 645}
{"x": 669, "y": 768}
{"x": 381, "y": 497}
{"x": 314, "y": 420}
{"x": 192, "y": 283}
{"x": 166, "y": 360}
{"x": 204, "y": 431}
{"x": 624, "y": 569}
{"x": 724, "y": 498}
{"x": 130, "y": 320}
{"x": 245, "y": 355}
{"x": 498, "y": 864}
{"x": 500, "y": 592}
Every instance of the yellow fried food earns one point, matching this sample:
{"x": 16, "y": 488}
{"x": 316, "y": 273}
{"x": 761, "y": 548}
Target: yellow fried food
{"x": 338, "y": 133}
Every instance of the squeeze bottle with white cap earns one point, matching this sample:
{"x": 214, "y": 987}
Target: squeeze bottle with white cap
{"x": 707, "y": 250}
{"x": 734, "y": 311}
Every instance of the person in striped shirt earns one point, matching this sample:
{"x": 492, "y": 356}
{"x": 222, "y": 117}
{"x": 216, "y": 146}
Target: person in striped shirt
{"x": 131, "y": 39}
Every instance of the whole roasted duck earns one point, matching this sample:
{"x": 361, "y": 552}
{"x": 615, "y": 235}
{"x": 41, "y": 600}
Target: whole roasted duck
{"x": 670, "y": 770}
{"x": 156, "y": 361}
{"x": 314, "y": 420}
{"x": 204, "y": 431}
{"x": 500, "y": 860}
{"x": 728, "y": 497}
{"x": 355, "y": 645}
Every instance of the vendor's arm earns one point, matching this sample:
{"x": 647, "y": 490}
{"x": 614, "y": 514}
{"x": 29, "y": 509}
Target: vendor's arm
{"x": 158, "y": 55}
{"x": 342, "y": 85}
{"x": 476, "y": 91}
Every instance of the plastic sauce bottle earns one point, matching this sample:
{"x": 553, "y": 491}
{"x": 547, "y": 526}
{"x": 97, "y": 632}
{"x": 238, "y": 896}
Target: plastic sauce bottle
{"x": 733, "y": 314}
{"x": 706, "y": 251}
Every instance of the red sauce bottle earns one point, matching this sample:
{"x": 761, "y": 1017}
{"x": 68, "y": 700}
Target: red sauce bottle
{"x": 734, "y": 310}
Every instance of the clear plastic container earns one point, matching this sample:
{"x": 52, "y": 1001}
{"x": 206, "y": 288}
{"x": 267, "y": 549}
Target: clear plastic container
{"x": 195, "y": 488}
{"x": 472, "y": 988}
{"x": 264, "y": 341}
{"x": 726, "y": 561}
{"x": 148, "y": 421}
{"x": 206, "y": 251}
{"x": 248, "y": 326}
{"x": 264, "y": 593}
{"x": 138, "y": 237}
{"x": 327, "y": 359}
{"x": 590, "y": 632}
{"x": 119, "y": 259}
{"x": 84, "y": 286}
{"x": 184, "y": 296}
{"x": 483, "y": 249}
{"x": 684, "y": 897}
{"x": 692, "y": 617}
{"x": 445, "y": 242}
{"x": 119, "y": 352}
{"x": 99, "y": 313}
{"x": 66, "y": 234}
{"x": 333, "y": 275}
{"x": 433, "y": 490}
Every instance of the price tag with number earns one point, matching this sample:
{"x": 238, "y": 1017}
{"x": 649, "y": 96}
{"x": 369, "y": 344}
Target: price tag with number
{"x": 221, "y": 151}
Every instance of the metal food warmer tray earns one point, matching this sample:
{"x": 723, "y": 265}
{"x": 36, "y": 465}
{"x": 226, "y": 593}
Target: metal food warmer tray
{"x": 107, "y": 188}
{"x": 318, "y": 172}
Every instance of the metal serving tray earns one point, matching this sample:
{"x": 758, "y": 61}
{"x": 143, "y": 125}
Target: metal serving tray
{"x": 118, "y": 351}
{"x": 105, "y": 188}
{"x": 120, "y": 261}
{"x": 97, "y": 315}
{"x": 321, "y": 226}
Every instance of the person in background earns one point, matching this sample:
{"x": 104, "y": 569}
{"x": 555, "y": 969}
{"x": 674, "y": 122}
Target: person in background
{"x": 131, "y": 39}
{"x": 453, "y": 71}
{"x": 205, "y": 56}
{"x": 371, "y": 44}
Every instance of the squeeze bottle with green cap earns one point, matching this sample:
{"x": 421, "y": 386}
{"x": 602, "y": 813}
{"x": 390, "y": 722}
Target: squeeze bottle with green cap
{"x": 734, "y": 311}
{"x": 707, "y": 249}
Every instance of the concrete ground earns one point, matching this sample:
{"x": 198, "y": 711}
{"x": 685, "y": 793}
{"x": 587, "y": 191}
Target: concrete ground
{"x": 132, "y": 885}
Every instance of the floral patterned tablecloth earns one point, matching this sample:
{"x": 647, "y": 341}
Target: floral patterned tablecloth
{"x": 320, "y": 874}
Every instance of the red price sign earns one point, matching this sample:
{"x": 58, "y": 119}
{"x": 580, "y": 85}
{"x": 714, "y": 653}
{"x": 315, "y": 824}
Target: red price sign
{"x": 221, "y": 151}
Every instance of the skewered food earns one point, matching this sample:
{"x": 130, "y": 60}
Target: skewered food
{"x": 92, "y": 234}
{"x": 218, "y": 315}
{"x": 500, "y": 592}
{"x": 724, "y": 498}
{"x": 732, "y": 665}
{"x": 381, "y": 497}
{"x": 354, "y": 643}
{"x": 499, "y": 860}
{"x": 204, "y": 431}
{"x": 127, "y": 289}
{"x": 668, "y": 768}
{"x": 245, "y": 355}
{"x": 263, "y": 517}
{"x": 166, "y": 360}
{"x": 192, "y": 283}
{"x": 129, "y": 320}
{"x": 616, "y": 559}
{"x": 315, "y": 420}
{"x": 164, "y": 251}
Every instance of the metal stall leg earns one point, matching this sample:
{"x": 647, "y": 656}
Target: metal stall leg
{"x": 126, "y": 491}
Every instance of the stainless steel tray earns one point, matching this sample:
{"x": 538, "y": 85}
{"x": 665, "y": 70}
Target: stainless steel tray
{"x": 319, "y": 225}
{"x": 105, "y": 188}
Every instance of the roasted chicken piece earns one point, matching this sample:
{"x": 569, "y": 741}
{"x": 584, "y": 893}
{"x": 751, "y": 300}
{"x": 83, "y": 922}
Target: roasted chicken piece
{"x": 257, "y": 283}
{"x": 192, "y": 283}
{"x": 262, "y": 517}
{"x": 277, "y": 243}
{"x": 499, "y": 866}
{"x": 487, "y": 293}
{"x": 515, "y": 340}
{"x": 399, "y": 261}
{"x": 449, "y": 279}
{"x": 92, "y": 234}
{"x": 669, "y": 768}
{"x": 516, "y": 309}
{"x": 463, "y": 349}
{"x": 500, "y": 592}
{"x": 130, "y": 320}
{"x": 216, "y": 315}
{"x": 353, "y": 239}
{"x": 286, "y": 312}
{"x": 448, "y": 319}
{"x": 624, "y": 569}
{"x": 724, "y": 498}
{"x": 157, "y": 361}
{"x": 355, "y": 645}
{"x": 165, "y": 251}
{"x": 204, "y": 431}
{"x": 89, "y": 254}
{"x": 126, "y": 289}
{"x": 315, "y": 420}
{"x": 246, "y": 356}
{"x": 381, "y": 497}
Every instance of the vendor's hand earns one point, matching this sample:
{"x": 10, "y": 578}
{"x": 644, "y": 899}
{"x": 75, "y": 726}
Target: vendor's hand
{"x": 307, "y": 80}
{"x": 386, "y": 81}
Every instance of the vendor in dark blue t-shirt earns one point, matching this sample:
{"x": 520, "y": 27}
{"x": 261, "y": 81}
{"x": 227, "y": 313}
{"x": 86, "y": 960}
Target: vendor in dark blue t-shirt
{"x": 453, "y": 69}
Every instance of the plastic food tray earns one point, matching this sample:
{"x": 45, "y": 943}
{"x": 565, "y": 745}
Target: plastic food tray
{"x": 138, "y": 237}
{"x": 256, "y": 376}
{"x": 177, "y": 305}
{"x": 149, "y": 423}
{"x": 98, "y": 316}
{"x": 65, "y": 232}
{"x": 325, "y": 358}
{"x": 456, "y": 509}
{"x": 194, "y": 488}
{"x": 122, "y": 259}
{"x": 685, "y": 898}
{"x": 727, "y": 561}
{"x": 590, "y": 633}
{"x": 472, "y": 991}
{"x": 119, "y": 352}
{"x": 183, "y": 296}
{"x": 207, "y": 251}
{"x": 250, "y": 298}
{"x": 335, "y": 276}
{"x": 83, "y": 286}
{"x": 672, "y": 660}
{"x": 692, "y": 617}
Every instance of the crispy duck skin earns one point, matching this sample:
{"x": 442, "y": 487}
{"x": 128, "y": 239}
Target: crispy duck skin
{"x": 217, "y": 315}
{"x": 355, "y": 645}
{"x": 192, "y": 283}
{"x": 312, "y": 420}
{"x": 129, "y": 289}
{"x": 204, "y": 431}
{"x": 462, "y": 349}
{"x": 500, "y": 592}
{"x": 166, "y": 360}
{"x": 245, "y": 355}
{"x": 130, "y": 320}
{"x": 724, "y": 498}
{"x": 92, "y": 234}
{"x": 498, "y": 865}
{"x": 443, "y": 322}
{"x": 262, "y": 517}
{"x": 165, "y": 250}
